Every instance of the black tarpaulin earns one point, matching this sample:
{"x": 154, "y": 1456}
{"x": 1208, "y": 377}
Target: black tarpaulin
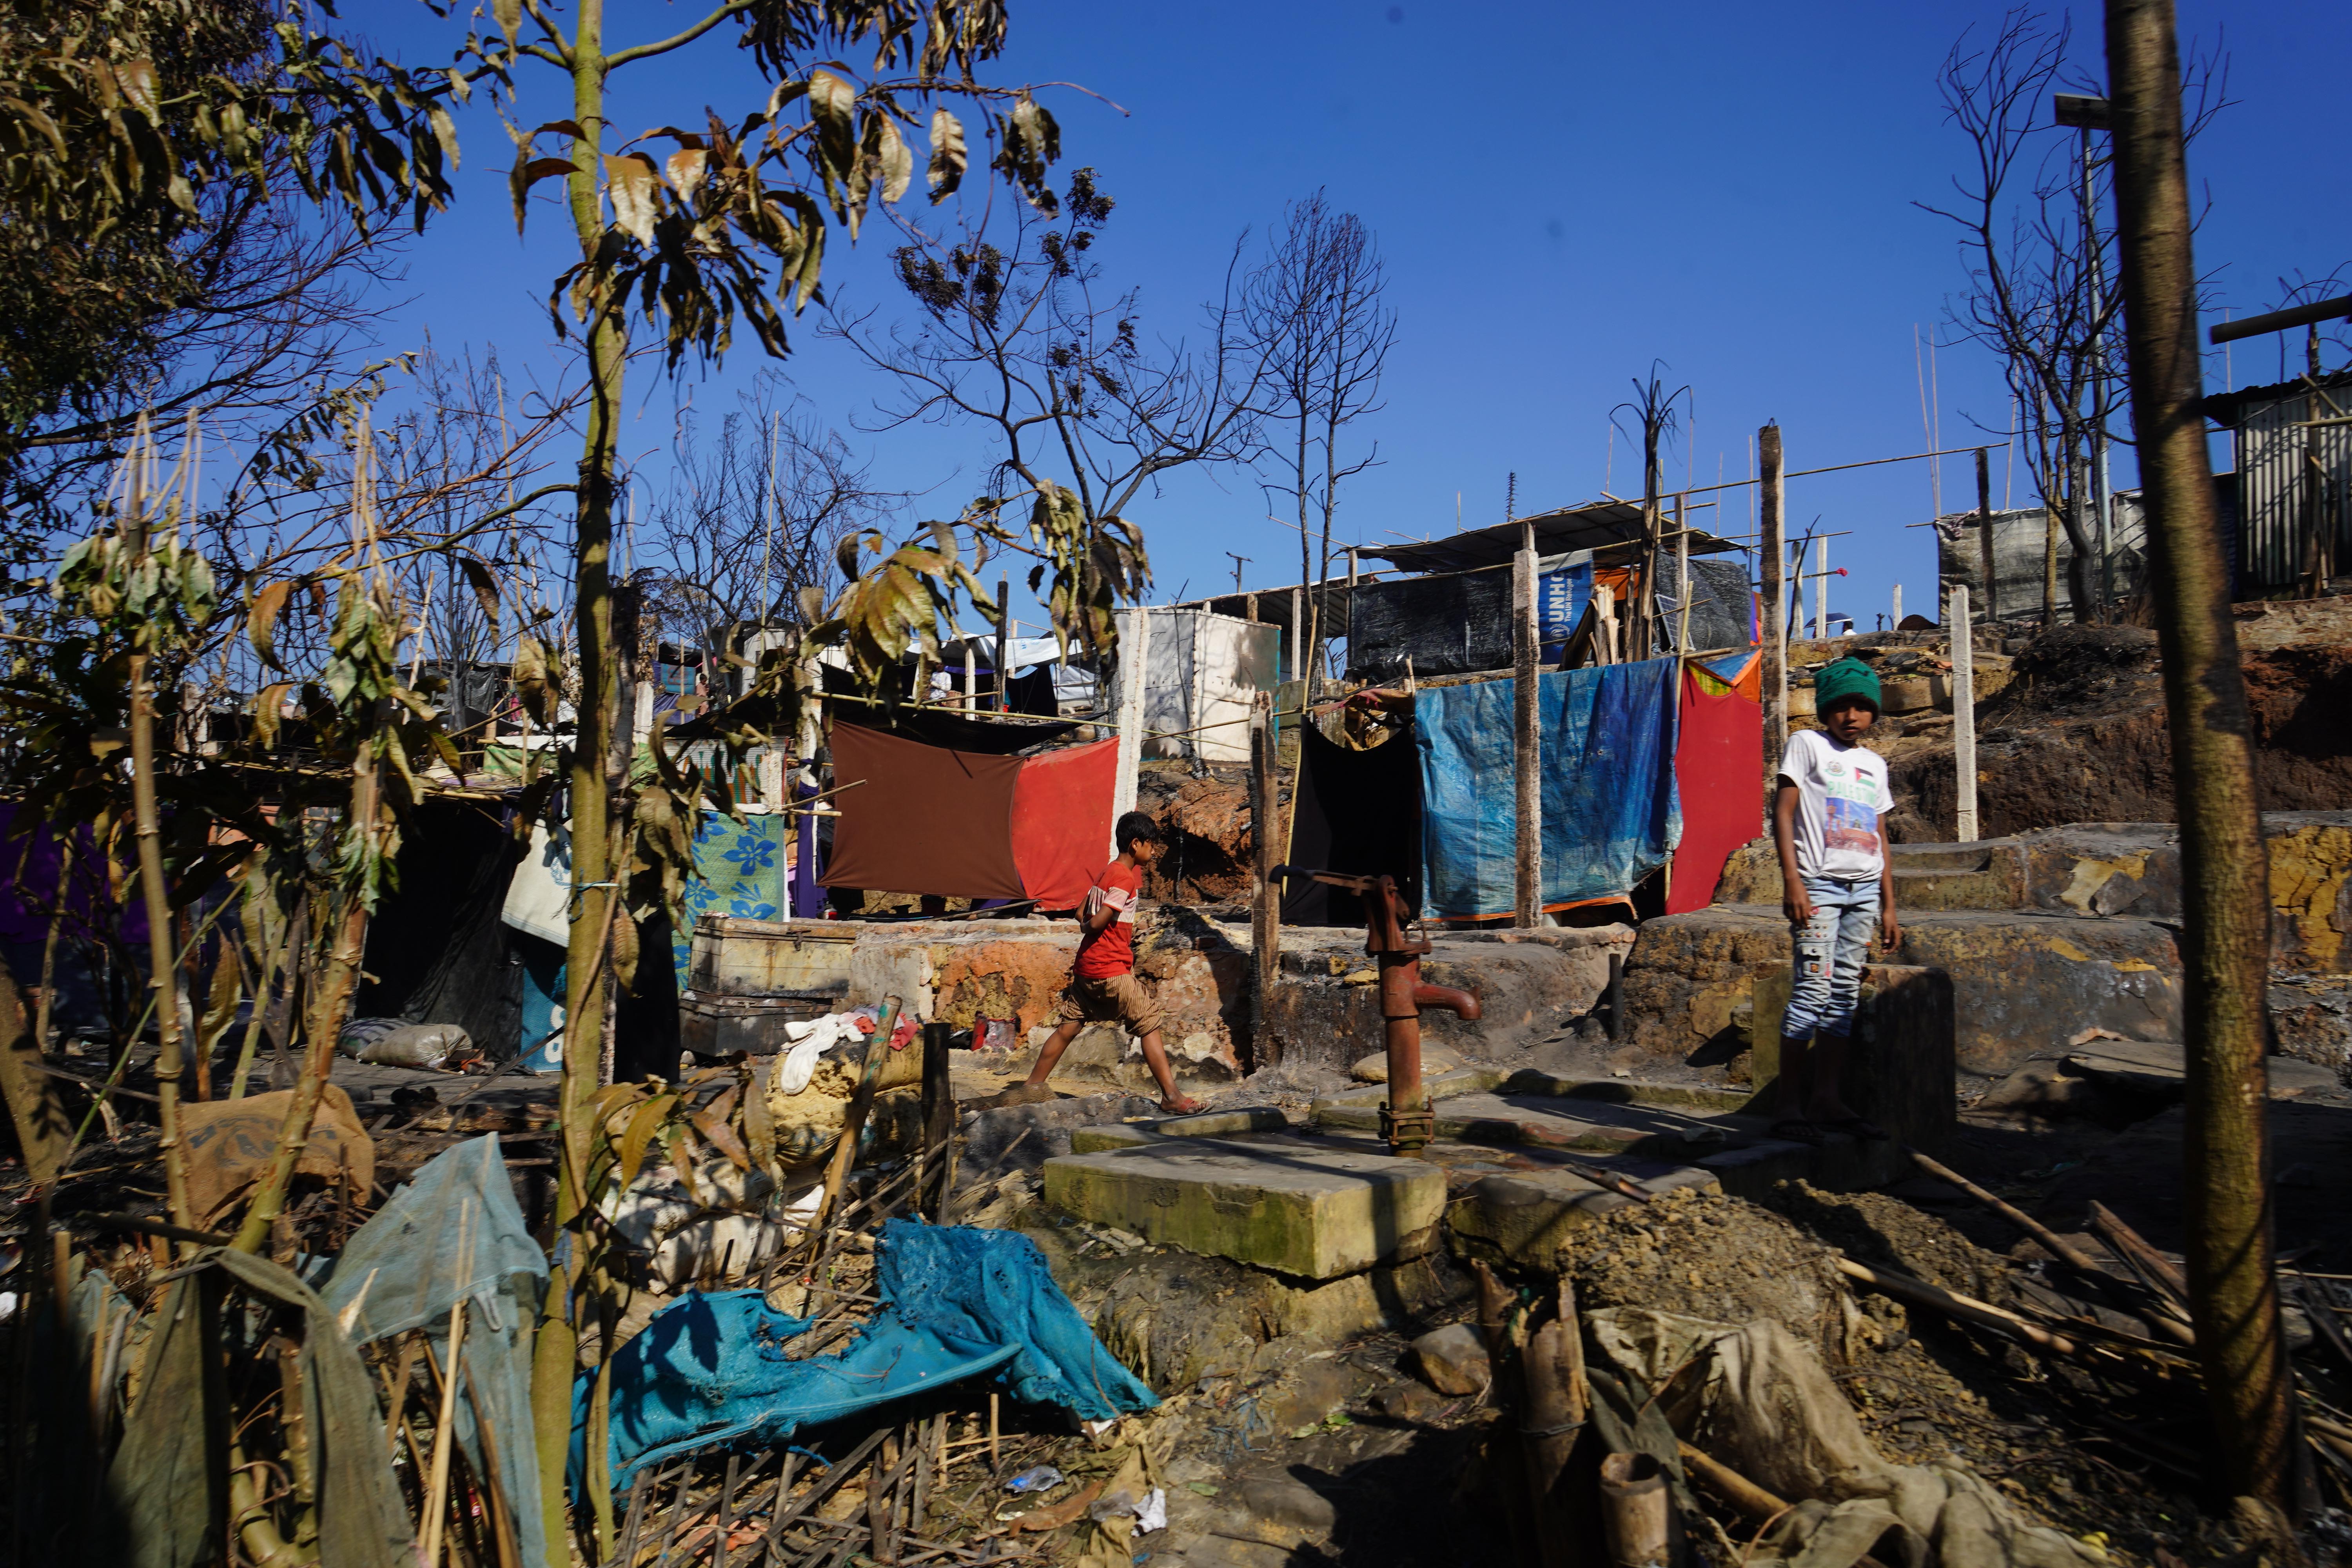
{"x": 1448, "y": 624}
{"x": 1356, "y": 812}
{"x": 436, "y": 950}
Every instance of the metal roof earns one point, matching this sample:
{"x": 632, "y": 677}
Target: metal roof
{"x": 1594, "y": 525}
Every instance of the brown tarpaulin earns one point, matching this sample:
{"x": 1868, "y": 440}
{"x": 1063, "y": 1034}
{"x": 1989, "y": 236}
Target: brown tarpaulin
{"x": 925, "y": 820}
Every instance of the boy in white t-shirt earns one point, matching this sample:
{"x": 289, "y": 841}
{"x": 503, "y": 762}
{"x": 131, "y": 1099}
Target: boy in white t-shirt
{"x": 1838, "y": 893}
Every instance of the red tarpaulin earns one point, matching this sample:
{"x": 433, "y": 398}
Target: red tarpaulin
{"x": 1061, "y": 821}
{"x": 924, "y": 820}
{"x": 1719, "y": 770}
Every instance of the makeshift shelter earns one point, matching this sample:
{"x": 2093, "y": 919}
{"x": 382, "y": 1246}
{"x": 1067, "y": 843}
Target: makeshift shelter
{"x": 1611, "y": 814}
{"x": 436, "y": 950}
{"x": 1202, "y": 672}
{"x": 932, "y": 819}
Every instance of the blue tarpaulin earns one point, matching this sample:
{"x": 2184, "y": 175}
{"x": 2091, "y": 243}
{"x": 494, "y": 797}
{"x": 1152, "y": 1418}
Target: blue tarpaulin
{"x": 1611, "y": 814}
{"x": 956, "y": 1301}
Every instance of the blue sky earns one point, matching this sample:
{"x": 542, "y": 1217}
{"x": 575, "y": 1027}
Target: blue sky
{"x": 1563, "y": 193}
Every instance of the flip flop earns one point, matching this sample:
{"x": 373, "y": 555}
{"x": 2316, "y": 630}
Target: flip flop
{"x": 1861, "y": 1129}
{"x": 1190, "y": 1108}
{"x": 1797, "y": 1130}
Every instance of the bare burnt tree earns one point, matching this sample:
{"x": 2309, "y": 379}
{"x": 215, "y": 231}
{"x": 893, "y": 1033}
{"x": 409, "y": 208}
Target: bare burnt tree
{"x": 1317, "y": 307}
{"x": 1656, "y": 410}
{"x": 1084, "y": 417}
{"x": 265, "y": 336}
{"x": 2044, "y": 288}
{"x": 751, "y": 516}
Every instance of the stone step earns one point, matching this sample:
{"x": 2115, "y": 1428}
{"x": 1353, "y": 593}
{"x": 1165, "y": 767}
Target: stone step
{"x": 1149, "y": 1130}
{"x": 1703, "y": 1098}
{"x": 1295, "y": 1205}
{"x": 1556, "y": 1121}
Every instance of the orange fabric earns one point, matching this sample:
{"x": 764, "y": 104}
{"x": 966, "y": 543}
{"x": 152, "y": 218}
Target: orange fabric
{"x": 1061, "y": 821}
{"x": 1747, "y": 683}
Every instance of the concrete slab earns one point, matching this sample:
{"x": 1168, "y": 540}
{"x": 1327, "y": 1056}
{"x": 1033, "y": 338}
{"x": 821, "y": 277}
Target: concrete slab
{"x": 1292, "y": 1206}
{"x": 1151, "y": 1129}
{"x": 1598, "y": 1126}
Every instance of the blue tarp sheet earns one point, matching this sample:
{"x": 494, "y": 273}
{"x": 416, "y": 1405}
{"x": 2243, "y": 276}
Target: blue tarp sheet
{"x": 957, "y": 1301}
{"x": 1611, "y": 814}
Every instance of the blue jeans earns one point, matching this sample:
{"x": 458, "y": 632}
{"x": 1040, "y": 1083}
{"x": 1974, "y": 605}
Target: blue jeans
{"x": 1829, "y": 950}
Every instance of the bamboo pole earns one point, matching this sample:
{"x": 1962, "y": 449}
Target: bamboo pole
{"x": 2225, "y": 940}
{"x": 1964, "y": 715}
{"x": 1266, "y": 893}
{"x": 1769, "y": 549}
{"x": 1526, "y": 752}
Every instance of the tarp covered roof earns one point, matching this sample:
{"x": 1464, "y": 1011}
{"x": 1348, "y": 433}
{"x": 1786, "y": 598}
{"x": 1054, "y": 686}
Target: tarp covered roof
{"x": 1594, "y": 525}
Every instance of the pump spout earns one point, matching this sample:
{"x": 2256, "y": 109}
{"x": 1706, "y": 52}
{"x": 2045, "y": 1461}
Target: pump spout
{"x": 1454, "y": 1000}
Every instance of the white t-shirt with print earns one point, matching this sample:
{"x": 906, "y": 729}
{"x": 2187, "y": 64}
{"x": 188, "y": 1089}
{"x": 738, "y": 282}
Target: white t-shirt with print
{"x": 1840, "y": 792}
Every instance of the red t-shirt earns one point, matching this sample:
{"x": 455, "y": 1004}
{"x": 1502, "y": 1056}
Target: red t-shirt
{"x": 1111, "y": 951}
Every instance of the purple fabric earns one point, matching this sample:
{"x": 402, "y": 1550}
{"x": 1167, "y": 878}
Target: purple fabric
{"x": 806, "y": 900}
{"x": 29, "y": 861}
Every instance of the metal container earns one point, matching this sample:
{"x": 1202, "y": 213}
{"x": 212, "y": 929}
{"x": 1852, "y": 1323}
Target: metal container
{"x": 744, "y": 958}
{"x": 749, "y": 1026}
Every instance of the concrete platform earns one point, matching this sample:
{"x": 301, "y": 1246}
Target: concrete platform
{"x": 1295, "y": 1205}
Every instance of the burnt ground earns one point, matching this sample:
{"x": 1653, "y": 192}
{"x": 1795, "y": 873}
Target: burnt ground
{"x": 2079, "y": 735}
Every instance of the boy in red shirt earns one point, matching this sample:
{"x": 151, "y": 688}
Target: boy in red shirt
{"x": 1102, "y": 981}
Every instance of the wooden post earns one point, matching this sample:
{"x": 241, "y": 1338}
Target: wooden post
{"x": 1984, "y": 531}
{"x": 970, "y": 685}
{"x": 1769, "y": 551}
{"x": 1134, "y": 650}
{"x": 1526, "y": 751}
{"x": 1683, "y": 582}
{"x": 1003, "y": 646}
{"x": 938, "y": 1175}
{"x": 1964, "y": 715}
{"x": 1822, "y": 592}
{"x": 2225, "y": 937}
{"x": 1265, "y": 907}
{"x": 1898, "y": 608}
{"x": 1300, "y": 654}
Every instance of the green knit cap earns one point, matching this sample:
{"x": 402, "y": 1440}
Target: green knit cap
{"x": 1847, "y": 678}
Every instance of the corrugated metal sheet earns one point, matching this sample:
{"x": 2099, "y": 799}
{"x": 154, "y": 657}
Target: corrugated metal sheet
{"x": 2276, "y": 502}
{"x": 2017, "y": 548}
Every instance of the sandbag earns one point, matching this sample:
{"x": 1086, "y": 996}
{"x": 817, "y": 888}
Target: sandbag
{"x": 229, "y": 1144}
{"x": 393, "y": 1043}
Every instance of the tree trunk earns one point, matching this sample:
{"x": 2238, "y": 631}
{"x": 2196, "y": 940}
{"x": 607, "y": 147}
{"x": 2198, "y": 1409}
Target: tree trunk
{"x": 2225, "y": 939}
{"x": 328, "y": 999}
{"x": 162, "y": 970}
{"x": 598, "y": 693}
